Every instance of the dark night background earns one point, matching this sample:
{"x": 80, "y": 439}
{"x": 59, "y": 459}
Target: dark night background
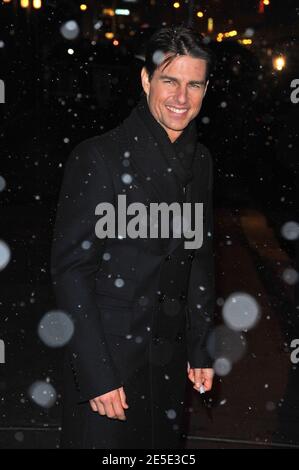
{"x": 58, "y": 92}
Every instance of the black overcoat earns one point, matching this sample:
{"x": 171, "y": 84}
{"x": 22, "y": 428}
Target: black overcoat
{"x": 141, "y": 307}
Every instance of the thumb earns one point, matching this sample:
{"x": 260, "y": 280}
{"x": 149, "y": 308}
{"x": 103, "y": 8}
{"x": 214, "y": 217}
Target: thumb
{"x": 123, "y": 398}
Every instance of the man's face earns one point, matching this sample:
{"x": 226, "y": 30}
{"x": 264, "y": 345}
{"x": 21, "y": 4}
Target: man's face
{"x": 175, "y": 93}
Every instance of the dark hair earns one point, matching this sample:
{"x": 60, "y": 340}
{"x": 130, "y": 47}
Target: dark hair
{"x": 176, "y": 40}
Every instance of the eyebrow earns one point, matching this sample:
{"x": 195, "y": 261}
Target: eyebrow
{"x": 192, "y": 82}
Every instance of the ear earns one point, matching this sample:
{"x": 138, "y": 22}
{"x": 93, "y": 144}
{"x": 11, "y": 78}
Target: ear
{"x": 206, "y": 87}
{"x": 145, "y": 81}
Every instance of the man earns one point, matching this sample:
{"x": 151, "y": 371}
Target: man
{"x": 142, "y": 307}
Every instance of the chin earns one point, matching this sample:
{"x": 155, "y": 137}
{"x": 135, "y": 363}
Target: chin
{"x": 178, "y": 126}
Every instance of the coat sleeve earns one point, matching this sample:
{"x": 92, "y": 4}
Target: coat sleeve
{"x": 201, "y": 291}
{"x": 75, "y": 258}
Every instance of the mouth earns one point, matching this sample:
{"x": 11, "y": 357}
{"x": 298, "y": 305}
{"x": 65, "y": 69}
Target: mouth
{"x": 177, "y": 112}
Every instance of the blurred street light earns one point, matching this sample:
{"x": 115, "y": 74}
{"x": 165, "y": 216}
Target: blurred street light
{"x": 245, "y": 42}
{"x": 122, "y": 11}
{"x": 231, "y": 34}
{"x": 37, "y": 4}
{"x": 210, "y": 25}
{"x": 108, "y": 11}
{"x": 279, "y": 63}
{"x": 262, "y": 5}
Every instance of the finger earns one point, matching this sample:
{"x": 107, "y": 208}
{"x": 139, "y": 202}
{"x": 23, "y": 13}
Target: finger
{"x": 208, "y": 382}
{"x": 101, "y": 409}
{"x": 188, "y": 367}
{"x": 123, "y": 398}
{"x": 208, "y": 385}
{"x": 118, "y": 409}
{"x": 93, "y": 406}
{"x": 208, "y": 376}
{"x": 109, "y": 410}
{"x": 198, "y": 379}
{"x": 191, "y": 375}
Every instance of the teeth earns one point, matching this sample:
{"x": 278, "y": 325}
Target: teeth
{"x": 178, "y": 111}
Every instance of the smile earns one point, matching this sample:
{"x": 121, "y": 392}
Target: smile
{"x": 177, "y": 110}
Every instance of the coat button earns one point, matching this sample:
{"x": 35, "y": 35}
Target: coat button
{"x": 168, "y": 258}
{"x": 179, "y": 337}
{"x": 182, "y": 296}
{"x": 162, "y": 297}
{"x": 191, "y": 256}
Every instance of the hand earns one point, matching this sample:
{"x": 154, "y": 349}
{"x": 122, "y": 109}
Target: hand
{"x": 111, "y": 404}
{"x": 201, "y": 377}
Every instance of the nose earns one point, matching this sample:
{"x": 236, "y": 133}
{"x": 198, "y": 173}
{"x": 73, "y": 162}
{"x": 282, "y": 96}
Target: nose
{"x": 181, "y": 95}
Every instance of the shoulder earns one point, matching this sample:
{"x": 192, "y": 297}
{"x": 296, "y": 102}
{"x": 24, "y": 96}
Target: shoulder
{"x": 96, "y": 145}
{"x": 95, "y": 149}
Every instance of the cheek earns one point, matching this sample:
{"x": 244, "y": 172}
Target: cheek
{"x": 162, "y": 99}
{"x": 197, "y": 102}
{"x": 164, "y": 95}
